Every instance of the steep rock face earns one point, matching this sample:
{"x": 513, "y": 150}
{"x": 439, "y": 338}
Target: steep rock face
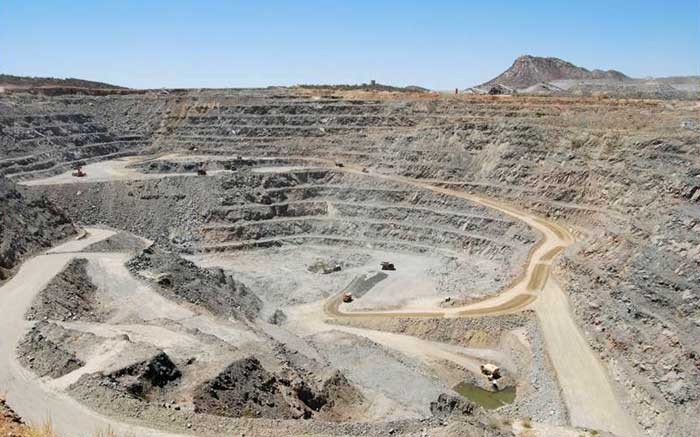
{"x": 530, "y": 70}
{"x": 28, "y": 223}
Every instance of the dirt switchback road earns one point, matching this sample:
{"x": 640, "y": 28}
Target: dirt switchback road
{"x": 28, "y": 395}
{"x": 587, "y": 390}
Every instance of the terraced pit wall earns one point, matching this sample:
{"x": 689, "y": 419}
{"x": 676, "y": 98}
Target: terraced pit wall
{"x": 623, "y": 174}
{"x": 246, "y": 210}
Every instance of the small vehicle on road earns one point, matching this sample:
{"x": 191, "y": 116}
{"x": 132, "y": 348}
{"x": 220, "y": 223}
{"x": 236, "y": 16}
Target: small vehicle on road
{"x": 78, "y": 172}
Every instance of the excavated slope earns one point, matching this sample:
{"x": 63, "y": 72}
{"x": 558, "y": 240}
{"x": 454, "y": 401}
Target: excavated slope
{"x": 28, "y": 223}
{"x": 622, "y": 174}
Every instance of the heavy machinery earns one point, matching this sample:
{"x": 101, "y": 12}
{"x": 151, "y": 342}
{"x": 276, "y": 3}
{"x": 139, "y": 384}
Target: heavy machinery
{"x": 491, "y": 371}
{"x": 386, "y": 265}
{"x": 201, "y": 172}
{"x": 78, "y": 172}
{"x": 331, "y": 269}
{"x": 339, "y": 164}
{"x": 347, "y": 297}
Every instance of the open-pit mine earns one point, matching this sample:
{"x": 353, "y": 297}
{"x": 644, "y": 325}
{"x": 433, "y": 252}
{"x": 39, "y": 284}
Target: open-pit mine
{"x": 347, "y": 262}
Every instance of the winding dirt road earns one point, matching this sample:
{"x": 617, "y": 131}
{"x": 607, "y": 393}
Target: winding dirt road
{"x": 32, "y": 398}
{"x": 587, "y": 391}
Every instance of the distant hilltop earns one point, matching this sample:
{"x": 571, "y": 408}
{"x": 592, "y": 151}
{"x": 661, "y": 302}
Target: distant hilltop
{"x": 554, "y": 76}
{"x": 9, "y": 81}
{"x": 529, "y": 70}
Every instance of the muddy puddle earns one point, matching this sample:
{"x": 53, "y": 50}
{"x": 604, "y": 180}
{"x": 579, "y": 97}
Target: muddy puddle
{"x": 486, "y": 398}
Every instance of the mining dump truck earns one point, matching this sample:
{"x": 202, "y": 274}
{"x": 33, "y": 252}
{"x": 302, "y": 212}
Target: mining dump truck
{"x": 388, "y": 266}
{"x": 339, "y": 164}
{"x": 78, "y": 172}
{"x": 491, "y": 371}
{"x": 347, "y": 297}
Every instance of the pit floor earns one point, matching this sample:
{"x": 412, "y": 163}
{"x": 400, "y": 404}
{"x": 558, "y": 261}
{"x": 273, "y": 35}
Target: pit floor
{"x": 281, "y": 276}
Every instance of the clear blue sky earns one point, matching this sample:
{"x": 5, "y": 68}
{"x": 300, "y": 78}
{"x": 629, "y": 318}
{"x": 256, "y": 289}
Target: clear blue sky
{"x": 439, "y": 44}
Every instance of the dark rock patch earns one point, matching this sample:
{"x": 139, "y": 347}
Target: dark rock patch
{"x": 213, "y": 289}
{"x": 243, "y": 389}
{"x": 28, "y": 223}
{"x": 246, "y": 389}
{"x": 142, "y": 378}
{"x": 44, "y": 356}
{"x": 448, "y": 405}
{"x": 71, "y": 295}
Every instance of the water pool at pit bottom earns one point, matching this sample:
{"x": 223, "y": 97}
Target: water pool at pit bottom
{"x": 486, "y": 398}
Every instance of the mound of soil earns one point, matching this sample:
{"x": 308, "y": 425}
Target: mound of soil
{"x": 71, "y": 295}
{"x": 243, "y": 389}
{"x": 119, "y": 242}
{"x": 131, "y": 388}
{"x": 219, "y": 293}
{"x": 332, "y": 397}
{"x": 141, "y": 378}
{"x": 28, "y": 223}
{"x": 246, "y": 389}
{"x": 43, "y": 355}
{"x": 448, "y": 405}
{"x": 325, "y": 266}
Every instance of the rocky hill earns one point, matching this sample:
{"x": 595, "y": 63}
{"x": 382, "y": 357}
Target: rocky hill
{"x": 530, "y": 70}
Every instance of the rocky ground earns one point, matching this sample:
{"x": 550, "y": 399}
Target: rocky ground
{"x": 44, "y": 351}
{"x": 621, "y": 174}
{"x": 69, "y": 296}
{"x": 28, "y": 224}
{"x": 120, "y": 242}
{"x": 183, "y": 280}
{"x": 515, "y": 335}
